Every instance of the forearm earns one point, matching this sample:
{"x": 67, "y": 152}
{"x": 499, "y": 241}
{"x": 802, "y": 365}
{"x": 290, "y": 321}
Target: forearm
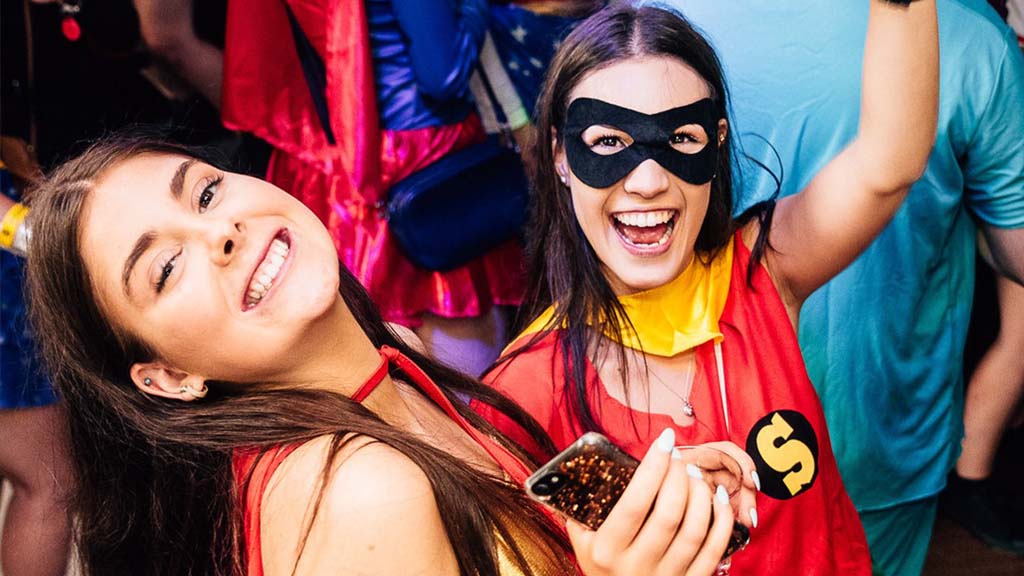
{"x": 899, "y": 98}
{"x": 167, "y": 29}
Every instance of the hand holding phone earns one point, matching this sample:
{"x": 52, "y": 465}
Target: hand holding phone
{"x": 656, "y": 516}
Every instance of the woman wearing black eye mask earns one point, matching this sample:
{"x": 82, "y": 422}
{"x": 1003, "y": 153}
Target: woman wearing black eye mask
{"x": 651, "y": 307}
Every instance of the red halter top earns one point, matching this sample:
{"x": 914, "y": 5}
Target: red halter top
{"x": 262, "y": 464}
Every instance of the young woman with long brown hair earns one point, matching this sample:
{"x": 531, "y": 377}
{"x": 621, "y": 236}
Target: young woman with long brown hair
{"x": 651, "y": 307}
{"x": 237, "y": 405}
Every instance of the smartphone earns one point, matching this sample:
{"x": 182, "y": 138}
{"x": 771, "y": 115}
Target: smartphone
{"x": 584, "y": 481}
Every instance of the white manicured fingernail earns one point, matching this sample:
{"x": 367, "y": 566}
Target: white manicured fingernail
{"x": 693, "y": 472}
{"x": 753, "y": 517}
{"x": 667, "y": 441}
{"x": 756, "y": 479}
{"x": 721, "y": 495}
{"x": 677, "y": 454}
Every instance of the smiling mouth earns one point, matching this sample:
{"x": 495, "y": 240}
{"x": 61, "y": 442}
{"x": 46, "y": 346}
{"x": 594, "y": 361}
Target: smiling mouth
{"x": 645, "y": 230}
{"x": 266, "y": 272}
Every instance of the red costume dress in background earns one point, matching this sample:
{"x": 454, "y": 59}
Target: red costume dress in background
{"x": 346, "y": 183}
{"x": 753, "y": 391}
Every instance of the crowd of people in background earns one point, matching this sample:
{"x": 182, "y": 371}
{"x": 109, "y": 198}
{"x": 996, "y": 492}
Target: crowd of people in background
{"x": 228, "y": 347}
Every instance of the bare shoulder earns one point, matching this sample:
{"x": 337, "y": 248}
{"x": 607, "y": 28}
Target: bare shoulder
{"x": 376, "y": 514}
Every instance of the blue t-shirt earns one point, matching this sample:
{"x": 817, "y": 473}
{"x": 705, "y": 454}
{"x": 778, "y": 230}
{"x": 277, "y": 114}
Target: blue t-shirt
{"x": 883, "y": 341}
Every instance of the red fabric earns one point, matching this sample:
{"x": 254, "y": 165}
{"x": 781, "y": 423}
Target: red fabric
{"x": 816, "y": 532}
{"x": 246, "y": 462}
{"x": 265, "y": 93}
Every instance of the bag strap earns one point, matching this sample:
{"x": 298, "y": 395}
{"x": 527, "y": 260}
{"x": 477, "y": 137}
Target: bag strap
{"x": 499, "y": 112}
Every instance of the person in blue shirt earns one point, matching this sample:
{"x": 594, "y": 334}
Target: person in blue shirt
{"x": 883, "y": 341}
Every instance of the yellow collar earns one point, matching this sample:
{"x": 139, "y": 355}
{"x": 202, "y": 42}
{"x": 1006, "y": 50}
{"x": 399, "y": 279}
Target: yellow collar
{"x": 674, "y": 317}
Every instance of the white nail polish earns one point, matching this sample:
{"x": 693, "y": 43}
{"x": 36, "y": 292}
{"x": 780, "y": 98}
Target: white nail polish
{"x": 756, "y": 479}
{"x": 721, "y": 495}
{"x": 667, "y": 441}
{"x": 753, "y": 517}
{"x": 693, "y": 472}
{"x": 677, "y": 454}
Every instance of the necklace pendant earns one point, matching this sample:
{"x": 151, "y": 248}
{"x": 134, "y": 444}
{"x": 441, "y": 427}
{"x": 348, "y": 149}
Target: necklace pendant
{"x": 688, "y": 408}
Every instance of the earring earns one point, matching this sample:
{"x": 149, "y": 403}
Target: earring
{"x": 147, "y": 381}
{"x": 721, "y": 139}
{"x": 195, "y": 394}
{"x": 565, "y": 181}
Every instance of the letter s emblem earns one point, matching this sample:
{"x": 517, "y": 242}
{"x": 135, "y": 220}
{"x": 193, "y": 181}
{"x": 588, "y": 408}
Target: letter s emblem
{"x": 785, "y": 450}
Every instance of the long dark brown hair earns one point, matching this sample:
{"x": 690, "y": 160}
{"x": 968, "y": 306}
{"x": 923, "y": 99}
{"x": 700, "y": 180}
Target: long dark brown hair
{"x": 564, "y": 271}
{"x": 155, "y": 490}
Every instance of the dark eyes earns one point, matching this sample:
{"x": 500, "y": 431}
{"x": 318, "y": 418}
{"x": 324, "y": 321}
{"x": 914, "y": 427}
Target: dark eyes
{"x": 165, "y": 272}
{"x": 682, "y": 138}
{"x": 205, "y": 199}
{"x": 612, "y": 141}
{"x": 208, "y": 193}
{"x": 609, "y": 141}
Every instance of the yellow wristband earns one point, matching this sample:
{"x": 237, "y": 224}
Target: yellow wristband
{"x": 10, "y": 224}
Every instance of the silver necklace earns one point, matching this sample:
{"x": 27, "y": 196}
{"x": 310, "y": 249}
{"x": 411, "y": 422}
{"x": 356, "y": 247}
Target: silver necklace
{"x": 687, "y": 385}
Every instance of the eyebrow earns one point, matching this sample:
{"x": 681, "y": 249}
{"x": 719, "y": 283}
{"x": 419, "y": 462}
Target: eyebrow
{"x": 140, "y": 247}
{"x": 177, "y": 187}
{"x": 178, "y": 180}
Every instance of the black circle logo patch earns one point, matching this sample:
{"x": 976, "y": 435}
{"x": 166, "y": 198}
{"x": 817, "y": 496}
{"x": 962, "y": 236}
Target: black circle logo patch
{"x": 785, "y": 451}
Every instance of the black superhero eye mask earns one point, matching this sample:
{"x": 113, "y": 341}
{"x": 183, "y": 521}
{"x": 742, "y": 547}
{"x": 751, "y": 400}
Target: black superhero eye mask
{"x": 651, "y": 134}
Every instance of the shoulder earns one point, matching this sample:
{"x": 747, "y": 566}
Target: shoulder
{"x": 376, "y": 513}
{"x": 976, "y": 48}
{"x": 970, "y": 21}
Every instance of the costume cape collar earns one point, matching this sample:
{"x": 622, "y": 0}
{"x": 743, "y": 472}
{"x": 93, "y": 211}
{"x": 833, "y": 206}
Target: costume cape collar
{"x": 675, "y": 317}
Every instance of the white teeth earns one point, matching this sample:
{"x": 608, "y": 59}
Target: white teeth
{"x": 266, "y": 272}
{"x": 645, "y": 219}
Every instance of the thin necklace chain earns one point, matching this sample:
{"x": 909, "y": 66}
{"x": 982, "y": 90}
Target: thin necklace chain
{"x": 687, "y": 385}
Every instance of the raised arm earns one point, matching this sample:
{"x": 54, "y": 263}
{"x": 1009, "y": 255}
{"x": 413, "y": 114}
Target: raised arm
{"x": 820, "y": 230}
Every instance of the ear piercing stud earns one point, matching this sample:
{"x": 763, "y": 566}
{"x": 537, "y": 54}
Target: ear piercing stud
{"x": 147, "y": 381}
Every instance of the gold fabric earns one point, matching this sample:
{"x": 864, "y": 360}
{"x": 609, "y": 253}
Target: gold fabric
{"x": 674, "y": 317}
